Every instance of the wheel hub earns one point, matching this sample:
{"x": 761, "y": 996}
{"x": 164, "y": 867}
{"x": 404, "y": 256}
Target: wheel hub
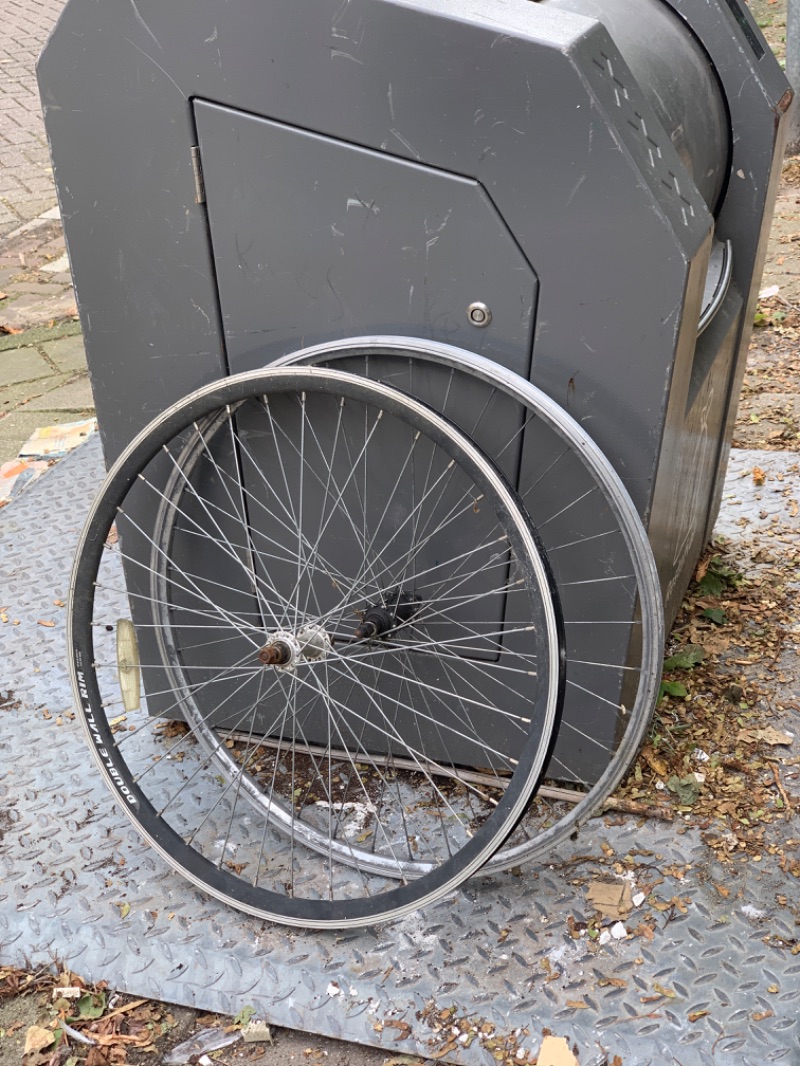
{"x": 286, "y": 649}
{"x": 398, "y": 608}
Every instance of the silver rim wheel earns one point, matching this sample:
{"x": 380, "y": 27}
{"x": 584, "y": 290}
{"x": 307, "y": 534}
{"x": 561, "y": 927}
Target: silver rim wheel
{"x": 570, "y": 459}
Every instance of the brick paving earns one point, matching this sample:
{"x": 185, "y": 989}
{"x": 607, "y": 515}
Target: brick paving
{"x": 43, "y": 382}
{"x": 43, "y": 377}
{"x": 35, "y": 283}
{"x": 26, "y": 178}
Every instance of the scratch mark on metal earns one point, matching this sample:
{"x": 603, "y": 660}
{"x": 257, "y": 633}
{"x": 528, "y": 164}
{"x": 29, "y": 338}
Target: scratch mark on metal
{"x": 342, "y": 307}
{"x": 356, "y": 201}
{"x": 391, "y": 102}
{"x": 202, "y": 312}
{"x": 156, "y": 64}
{"x": 574, "y": 192}
{"x": 429, "y": 232}
{"x": 345, "y": 55}
{"x": 409, "y": 147}
{"x": 142, "y": 23}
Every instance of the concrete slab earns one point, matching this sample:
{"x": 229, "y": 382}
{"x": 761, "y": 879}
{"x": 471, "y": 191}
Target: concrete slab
{"x": 22, "y": 364}
{"x": 74, "y": 397}
{"x": 68, "y": 354}
{"x": 35, "y": 288}
{"x": 30, "y": 310}
{"x": 62, "y": 263}
{"x": 12, "y": 396}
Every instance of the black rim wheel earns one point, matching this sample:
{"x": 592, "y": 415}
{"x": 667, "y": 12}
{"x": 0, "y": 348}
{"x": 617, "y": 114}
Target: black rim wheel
{"x": 342, "y": 625}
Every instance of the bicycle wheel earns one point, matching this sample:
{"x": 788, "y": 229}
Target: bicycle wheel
{"x": 336, "y": 604}
{"x": 604, "y": 571}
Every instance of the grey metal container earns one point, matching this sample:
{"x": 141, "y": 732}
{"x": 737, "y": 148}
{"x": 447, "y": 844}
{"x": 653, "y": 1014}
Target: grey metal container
{"x": 239, "y": 181}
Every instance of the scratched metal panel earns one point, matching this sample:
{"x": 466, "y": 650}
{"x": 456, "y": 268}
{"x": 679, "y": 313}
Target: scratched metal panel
{"x": 315, "y": 239}
{"x": 499, "y": 950}
{"x": 471, "y": 94}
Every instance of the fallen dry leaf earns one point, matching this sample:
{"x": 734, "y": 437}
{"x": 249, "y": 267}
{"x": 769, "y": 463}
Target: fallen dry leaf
{"x": 663, "y": 991}
{"x": 403, "y": 1028}
{"x": 37, "y": 1039}
{"x": 656, "y": 763}
{"x": 768, "y": 735}
{"x": 45, "y": 622}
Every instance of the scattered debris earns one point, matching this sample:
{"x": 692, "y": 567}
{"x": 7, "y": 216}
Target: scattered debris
{"x": 200, "y": 1044}
{"x": 555, "y": 1051}
{"x": 38, "y": 454}
{"x": 257, "y": 1032}
{"x": 611, "y": 899}
{"x": 16, "y": 474}
{"x": 54, "y": 442}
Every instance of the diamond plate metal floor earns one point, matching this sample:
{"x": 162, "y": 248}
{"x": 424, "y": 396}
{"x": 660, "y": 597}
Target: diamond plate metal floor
{"x": 705, "y": 989}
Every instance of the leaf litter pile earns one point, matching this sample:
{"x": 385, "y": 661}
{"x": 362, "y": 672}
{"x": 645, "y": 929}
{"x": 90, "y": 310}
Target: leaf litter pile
{"x": 769, "y": 408}
{"x": 720, "y": 753}
{"x": 80, "y": 1024}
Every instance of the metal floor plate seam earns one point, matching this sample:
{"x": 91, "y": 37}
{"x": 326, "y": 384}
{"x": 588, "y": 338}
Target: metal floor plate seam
{"x": 499, "y": 951}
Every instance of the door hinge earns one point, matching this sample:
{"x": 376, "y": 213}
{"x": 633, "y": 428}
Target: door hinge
{"x": 199, "y": 183}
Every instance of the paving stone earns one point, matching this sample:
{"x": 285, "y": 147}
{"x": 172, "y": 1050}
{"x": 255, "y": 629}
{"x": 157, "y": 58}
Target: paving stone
{"x": 62, "y": 263}
{"x": 6, "y": 274}
{"x": 77, "y": 396}
{"x": 37, "y": 288}
{"x": 68, "y": 354}
{"x": 13, "y": 396}
{"x": 22, "y": 364}
{"x": 23, "y": 145}
{"x": 31, "y": 310}
{"x": 53, "y": 247}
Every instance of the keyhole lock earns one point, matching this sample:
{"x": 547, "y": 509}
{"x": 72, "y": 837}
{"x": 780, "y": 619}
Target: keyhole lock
{"x": 479, "y": 314}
